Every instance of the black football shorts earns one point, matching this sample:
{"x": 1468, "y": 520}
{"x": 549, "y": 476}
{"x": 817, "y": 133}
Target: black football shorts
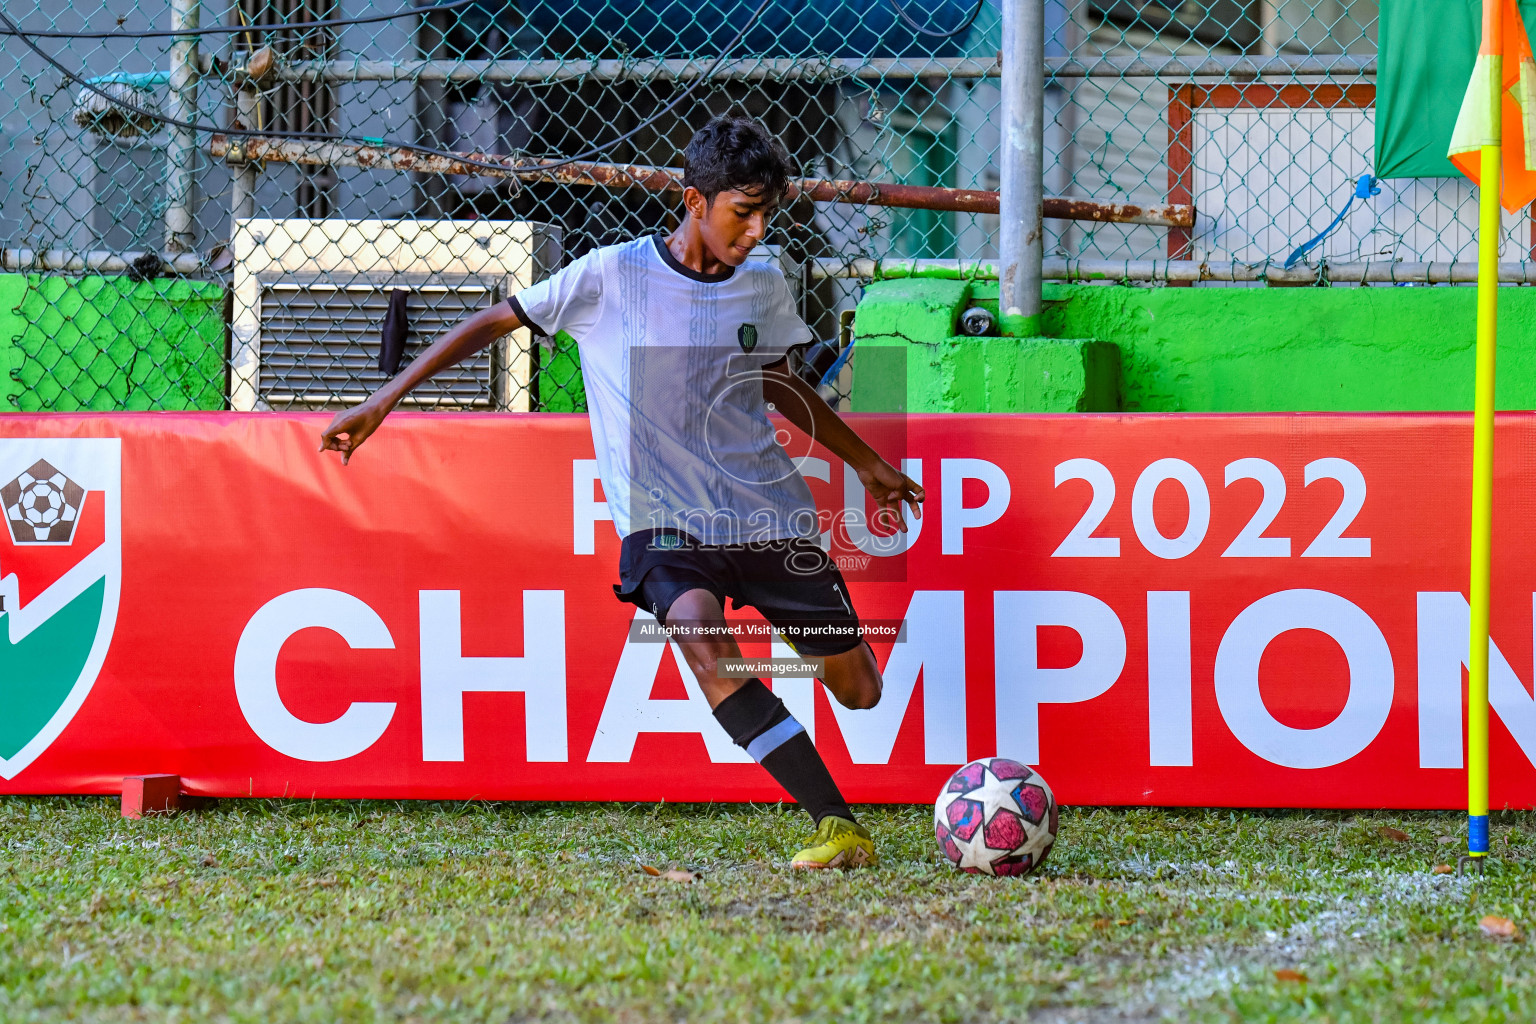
{"x": 792, "y": 582}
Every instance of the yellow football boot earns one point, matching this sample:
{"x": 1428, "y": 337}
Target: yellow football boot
{"x": 839, "y": 843}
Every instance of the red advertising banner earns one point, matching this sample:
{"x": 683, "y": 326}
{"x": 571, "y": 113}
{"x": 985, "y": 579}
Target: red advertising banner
{"x": 1258, "y": 610}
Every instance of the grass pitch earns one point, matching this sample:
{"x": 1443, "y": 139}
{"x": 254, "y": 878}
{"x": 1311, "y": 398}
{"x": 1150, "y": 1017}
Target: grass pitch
{"x": 370, "y": 911}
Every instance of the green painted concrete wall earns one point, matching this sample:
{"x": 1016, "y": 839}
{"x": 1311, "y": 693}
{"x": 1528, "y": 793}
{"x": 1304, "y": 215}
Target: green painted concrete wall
{"x": 558, "y": 385}
{"x": 1226, "y": 349}
{"x": 108, "y": 343}
{"x": 100, "y": 343}
{"x": 12, "y": 288}
{"x": 1304, "y": 349}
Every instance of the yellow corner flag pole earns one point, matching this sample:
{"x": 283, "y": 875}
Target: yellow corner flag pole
{"x": 1489, "y": 230}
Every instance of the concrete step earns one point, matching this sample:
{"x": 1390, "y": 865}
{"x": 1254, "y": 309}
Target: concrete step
{"x": 960, "y": 374}
{"x": 909, "y": 357}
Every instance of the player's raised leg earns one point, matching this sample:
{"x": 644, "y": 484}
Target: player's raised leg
{"x": 757, "y": 720}
{"x": 853, "y": 677}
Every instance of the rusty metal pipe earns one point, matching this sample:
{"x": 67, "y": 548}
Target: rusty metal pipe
{"x": 1218, "y": 271}
{"x": 824, "y": 69}
{"x": 669, "y": 179}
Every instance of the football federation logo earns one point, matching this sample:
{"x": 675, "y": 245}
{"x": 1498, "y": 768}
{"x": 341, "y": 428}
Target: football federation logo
{"x": 41, "y": 506}
{"x": 60, "y": 579}
{"x": 746, "y": 337}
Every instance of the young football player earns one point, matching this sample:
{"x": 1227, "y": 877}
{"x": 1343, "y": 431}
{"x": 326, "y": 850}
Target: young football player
{"x": 685, "y": 347}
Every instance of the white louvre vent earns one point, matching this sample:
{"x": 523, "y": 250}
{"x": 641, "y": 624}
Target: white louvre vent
{"x": 310, "y": 298}
{"x": 320, "y": 345}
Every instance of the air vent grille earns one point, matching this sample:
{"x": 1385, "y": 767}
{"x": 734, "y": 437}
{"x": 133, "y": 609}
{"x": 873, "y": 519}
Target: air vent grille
{"x": 320, "y": 345}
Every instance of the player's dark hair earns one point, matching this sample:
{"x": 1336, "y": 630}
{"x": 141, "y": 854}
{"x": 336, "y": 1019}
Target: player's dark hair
{"x": 733, "y": 152}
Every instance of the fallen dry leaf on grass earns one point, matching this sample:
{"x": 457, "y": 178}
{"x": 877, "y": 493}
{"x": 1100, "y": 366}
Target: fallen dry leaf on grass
{"x": 1444, "y": 869}
{"x": 1499, "y": 927}
{"x": 1397, "y": 835}
{"x": 650, "y": 870}
{"x": 1286, "y": 974}
{"x": 679, "y": 876}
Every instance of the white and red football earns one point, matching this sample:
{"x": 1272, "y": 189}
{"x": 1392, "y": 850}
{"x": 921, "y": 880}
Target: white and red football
{"x": 995, "y": 817}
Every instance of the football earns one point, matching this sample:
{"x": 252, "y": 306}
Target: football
{"x": 995, "y": 817}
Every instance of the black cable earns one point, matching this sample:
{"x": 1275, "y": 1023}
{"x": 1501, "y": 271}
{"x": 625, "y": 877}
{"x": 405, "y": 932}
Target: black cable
{"x": 7, "y": 23}
{"x": 216, "y": 30}
{"x": 930, "y": 33}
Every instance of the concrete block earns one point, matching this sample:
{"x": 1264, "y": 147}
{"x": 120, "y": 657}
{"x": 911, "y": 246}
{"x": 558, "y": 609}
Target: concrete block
{"x": 151, "y": 794}
{"x": 962, "y": 374}
{"x": 912, "y": 308}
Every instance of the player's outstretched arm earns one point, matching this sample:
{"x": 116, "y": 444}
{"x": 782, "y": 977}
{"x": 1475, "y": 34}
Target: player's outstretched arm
{"x": 352, "y": 427}
{"x": 894, "y": 492}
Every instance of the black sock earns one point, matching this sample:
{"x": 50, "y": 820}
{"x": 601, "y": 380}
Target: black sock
{"x": 758, "y": 720}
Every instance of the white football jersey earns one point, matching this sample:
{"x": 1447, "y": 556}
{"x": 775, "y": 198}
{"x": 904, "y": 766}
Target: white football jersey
{"x": 670, "y": 360}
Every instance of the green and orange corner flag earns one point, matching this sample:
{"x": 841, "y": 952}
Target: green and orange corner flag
{"x": 1506, "y": 52}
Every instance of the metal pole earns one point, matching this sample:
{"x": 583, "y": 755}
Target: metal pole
{"x": 1022, "y": 166}
{"x": 1058, "y": 269}
{"x": 242, "y": 192}
{"x": 787, "y": 69}
{"x": 1490, "y": 230}
{"x": 181, "y": 149}
{"x": 664, "y": 179}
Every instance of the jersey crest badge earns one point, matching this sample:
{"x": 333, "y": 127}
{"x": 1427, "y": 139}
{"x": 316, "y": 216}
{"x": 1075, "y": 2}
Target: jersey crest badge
{"x": 746, "y": 336}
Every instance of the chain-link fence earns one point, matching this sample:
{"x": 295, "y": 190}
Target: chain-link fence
{"x": 150, "y": 265}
